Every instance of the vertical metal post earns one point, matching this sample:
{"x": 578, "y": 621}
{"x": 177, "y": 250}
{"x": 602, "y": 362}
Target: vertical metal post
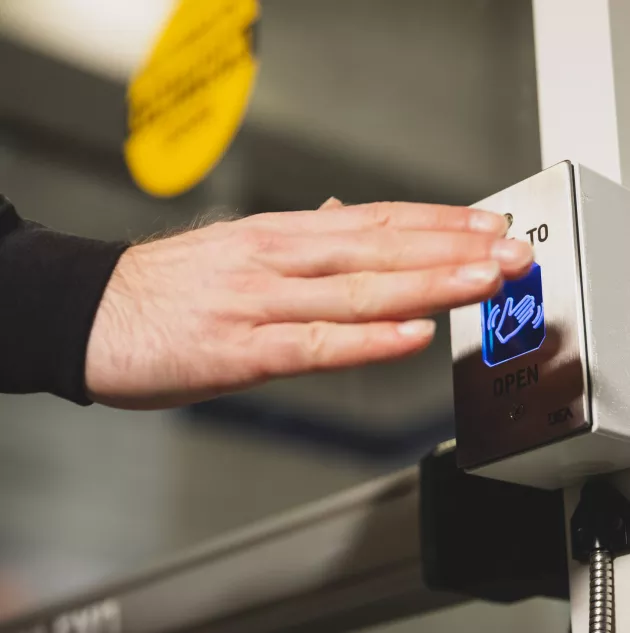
{"x": 583, "y": 73}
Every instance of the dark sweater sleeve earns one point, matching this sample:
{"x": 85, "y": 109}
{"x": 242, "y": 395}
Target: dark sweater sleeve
{"x": 50, "y": 287}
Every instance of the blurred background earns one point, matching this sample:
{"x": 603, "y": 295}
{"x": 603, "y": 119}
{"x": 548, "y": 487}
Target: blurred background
{"x": 427, "y": 100}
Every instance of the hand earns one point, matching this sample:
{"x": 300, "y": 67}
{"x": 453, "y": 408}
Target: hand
{"x": 233, "y": 304}
{"x": 516, "y": 316}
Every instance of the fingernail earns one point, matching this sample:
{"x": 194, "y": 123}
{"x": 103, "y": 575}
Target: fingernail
{"x": 487, "y": 222}
{"x": 512, "y": 252}
{"x": 482, "y": 273}
{"x": 419, "y": 328}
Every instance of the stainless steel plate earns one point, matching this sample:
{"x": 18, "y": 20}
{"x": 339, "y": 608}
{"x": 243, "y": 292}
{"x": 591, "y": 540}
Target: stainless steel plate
{"x": 541, "y": 396}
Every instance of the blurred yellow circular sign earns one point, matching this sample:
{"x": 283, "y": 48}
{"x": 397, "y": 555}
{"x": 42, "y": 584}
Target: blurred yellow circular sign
{"x": 186, "y": 103}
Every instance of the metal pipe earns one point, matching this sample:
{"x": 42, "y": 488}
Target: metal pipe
{"x": 602, "y": 592}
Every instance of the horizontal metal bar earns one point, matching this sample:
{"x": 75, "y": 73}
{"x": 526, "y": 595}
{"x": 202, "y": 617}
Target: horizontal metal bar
{"x": 347, "y": 561}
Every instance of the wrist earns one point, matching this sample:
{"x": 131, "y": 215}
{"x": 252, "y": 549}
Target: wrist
{"x": 108, "y": 343}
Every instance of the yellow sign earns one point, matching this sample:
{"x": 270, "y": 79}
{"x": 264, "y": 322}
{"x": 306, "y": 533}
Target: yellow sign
{"x": 187, "y": 102}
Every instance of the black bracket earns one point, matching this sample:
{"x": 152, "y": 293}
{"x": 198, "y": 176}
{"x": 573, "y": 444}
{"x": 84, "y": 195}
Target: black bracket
{"x": 601, "y": 519}
{"x": 489, "y": 539}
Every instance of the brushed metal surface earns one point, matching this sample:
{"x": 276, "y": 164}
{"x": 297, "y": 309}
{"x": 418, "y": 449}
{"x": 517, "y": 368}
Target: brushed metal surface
{"x": 604, "y": 223}
{"x": 486, "y": 430}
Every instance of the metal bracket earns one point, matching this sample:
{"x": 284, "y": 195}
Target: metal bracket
{"x": 490, "y": 539}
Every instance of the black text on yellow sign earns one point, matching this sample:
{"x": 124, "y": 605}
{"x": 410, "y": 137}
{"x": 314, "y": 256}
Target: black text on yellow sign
{"x": 187, "y": 102}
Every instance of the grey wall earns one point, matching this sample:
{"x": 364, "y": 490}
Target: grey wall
{"x": 436, "y": 93}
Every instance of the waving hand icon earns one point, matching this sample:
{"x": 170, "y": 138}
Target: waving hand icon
{"x": 513, "y": 321}
{"x": 515, "y": 317}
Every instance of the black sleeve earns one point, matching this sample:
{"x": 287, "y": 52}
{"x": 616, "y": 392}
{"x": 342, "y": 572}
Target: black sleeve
{"x": 50, "y": 287}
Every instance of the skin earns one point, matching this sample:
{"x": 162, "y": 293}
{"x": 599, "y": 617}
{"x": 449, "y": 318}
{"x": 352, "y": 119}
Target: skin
{"x": 234, "y": 304}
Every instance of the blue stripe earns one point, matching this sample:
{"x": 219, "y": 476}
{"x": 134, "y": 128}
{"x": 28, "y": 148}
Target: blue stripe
{"x": 414, "y": 438}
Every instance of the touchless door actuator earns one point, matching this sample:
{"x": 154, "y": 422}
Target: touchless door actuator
{"x": 542, "y": 370}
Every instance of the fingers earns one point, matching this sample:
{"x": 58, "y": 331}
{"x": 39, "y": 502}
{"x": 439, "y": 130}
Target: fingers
{"x": 294, "y": 348}
{"x": 310, "y": 255}
{"x": 397, "y": 296}
{"x": 526, "y": 315}
{"x": 525, "y": 308}
{"x": 396, "y": 215}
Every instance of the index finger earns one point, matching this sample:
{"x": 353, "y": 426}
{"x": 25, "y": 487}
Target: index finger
{"x": 396, "y": 215}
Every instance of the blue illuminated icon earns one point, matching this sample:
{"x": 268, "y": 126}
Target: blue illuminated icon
{"x": 513, "y": 322}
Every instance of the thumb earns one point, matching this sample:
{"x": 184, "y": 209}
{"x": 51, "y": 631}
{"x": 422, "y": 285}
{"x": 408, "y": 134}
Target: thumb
{"x": 331, "y": 203}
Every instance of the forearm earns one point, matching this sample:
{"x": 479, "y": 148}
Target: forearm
{"x": 51, "y": 285}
